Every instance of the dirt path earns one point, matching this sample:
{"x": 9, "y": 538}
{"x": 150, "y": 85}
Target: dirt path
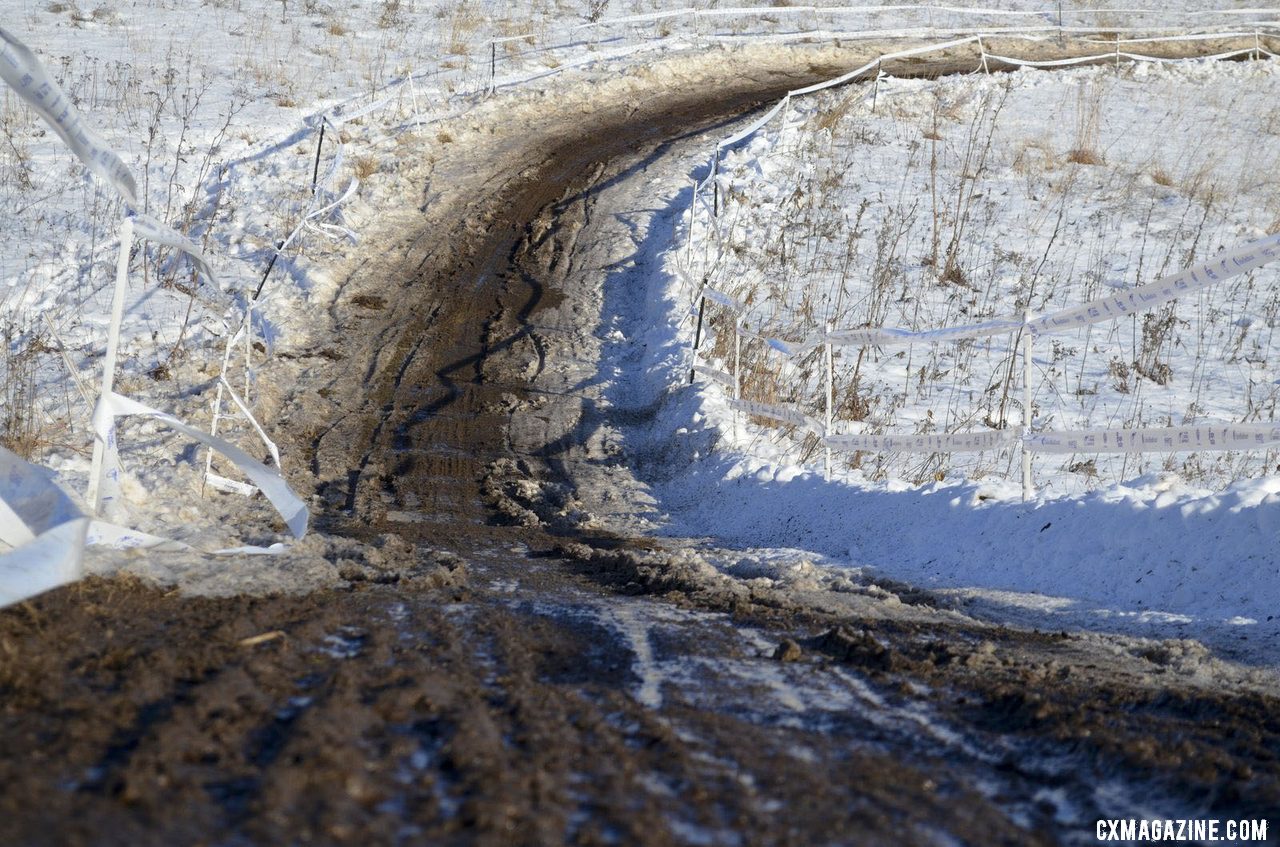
{"x": 512, "y": 661}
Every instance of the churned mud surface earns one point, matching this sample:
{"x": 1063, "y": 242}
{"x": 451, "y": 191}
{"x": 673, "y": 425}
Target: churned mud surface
{"x": 513, "y": 660}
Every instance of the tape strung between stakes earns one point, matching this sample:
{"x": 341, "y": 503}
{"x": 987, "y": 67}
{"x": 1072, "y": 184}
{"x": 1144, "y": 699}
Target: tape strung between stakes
{"x": 43, "y": 526}
{"x": 24, "y": 73}
{"x": 20, "y": 68}
{"x": 268, "y": 480}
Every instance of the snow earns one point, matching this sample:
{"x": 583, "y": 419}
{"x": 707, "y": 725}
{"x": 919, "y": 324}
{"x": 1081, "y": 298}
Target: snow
{"x": 1154, "y": 545}
{"x": 216, "y": 113}
{"x": 912, "y": 218}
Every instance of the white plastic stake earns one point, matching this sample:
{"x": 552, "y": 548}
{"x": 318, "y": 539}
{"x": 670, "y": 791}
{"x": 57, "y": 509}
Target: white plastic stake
{"x": 737, "y": 370}
{"x": 737, "y": 361}
{"x": 1028, "y": 490}
{"x": 782, "y": 118}
{"x": 248, "y": 353}
{"x": 85, "y": 393}
{"x": 413, "y": 97}
{"x": 101, "y": 455}
{"x": 222, "y": 381}
{"x": 830, "y": 400}
{"x": 213, "y": 431}
{"x": 693, "y": 217}
{"x": 715, "y": 183}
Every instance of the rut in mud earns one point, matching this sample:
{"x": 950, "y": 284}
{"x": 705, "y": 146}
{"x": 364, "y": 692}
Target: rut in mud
{"x": 496, "y": 671}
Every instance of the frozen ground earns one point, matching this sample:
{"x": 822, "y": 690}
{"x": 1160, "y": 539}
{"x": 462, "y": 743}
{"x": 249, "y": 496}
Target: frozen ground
{"x": 215, "y": 121}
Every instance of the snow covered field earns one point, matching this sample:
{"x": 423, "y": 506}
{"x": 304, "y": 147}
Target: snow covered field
{"x": 217, "y": 113}
{"x": 975, "y": 198}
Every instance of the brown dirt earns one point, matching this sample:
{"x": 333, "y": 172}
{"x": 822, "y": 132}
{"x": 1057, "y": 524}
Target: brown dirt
{"x": 428, "y": 702}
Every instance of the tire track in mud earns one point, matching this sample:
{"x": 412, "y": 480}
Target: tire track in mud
{"x": 497, "y": 671}
{"x": 520, "y": 489}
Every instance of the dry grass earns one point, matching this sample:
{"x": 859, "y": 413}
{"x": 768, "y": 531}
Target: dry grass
{"x": 1084, "y": 150}
{"x": 464, "y": 20}
{"x": 1084, "y": 156}
{"x": 365, "y": 167}
{"x": 20, "y": 420}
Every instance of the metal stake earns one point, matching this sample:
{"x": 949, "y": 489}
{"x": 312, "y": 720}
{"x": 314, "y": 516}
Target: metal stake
{"x": 697, "y": 338}
{"x": 315, "y": 171}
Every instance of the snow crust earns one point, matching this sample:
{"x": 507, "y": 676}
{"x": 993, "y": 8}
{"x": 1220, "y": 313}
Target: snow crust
{"x": 1160, "y": 545}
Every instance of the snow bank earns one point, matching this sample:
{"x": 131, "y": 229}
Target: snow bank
{"x": 1159, "y": 547}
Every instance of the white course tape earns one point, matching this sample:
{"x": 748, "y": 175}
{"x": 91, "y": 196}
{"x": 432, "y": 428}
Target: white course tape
{"x": 336, "y": 120}
{"x": 791, "y": 348}
{"x": 55, "y": 557}
{"x": 257, "y": 427}
{"x": 103, "y": 534}
{"x": 25, "y": 75}
{"x": 786, "y": 348}
{"x": 268, "y": 480}
{"x": 768, "y": 116}
{"x": 14, "y": 531}
{"x": 714, "y": 375}
{"x": 104, "y": 474}
{"x": 1050, "y": 63}
{"x": 1142, "y": 298}
{"x": 889, "y": 335}
{"x": 1205, "y": 36}
{"x": 312, "y": 215}
{"x": 228, "y": 486}
{"x": 32, "y": 498}
{"x": 147, "y": 227}
{"x": 774, "y": 11}
{"x": 1216, "y": 57}
{"x": 224, "y": 384}
{"x": 48, "y": 533}
{"x": 946, "y": 442}
{"x": 903, "y": 54}
{"x": 720, "y": 298}
{"x": 1230, "y": 263}
{"x": 1168, "y": 439}
{"x": 780, "y": 414}
{"x": 42, "y": 527}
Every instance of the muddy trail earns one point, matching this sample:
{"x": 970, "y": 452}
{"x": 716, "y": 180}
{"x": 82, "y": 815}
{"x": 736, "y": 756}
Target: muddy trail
{"x": 501, "y": 664}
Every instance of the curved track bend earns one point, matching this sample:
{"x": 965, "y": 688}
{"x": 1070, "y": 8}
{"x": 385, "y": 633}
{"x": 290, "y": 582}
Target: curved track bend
{"x": 511, "y": 659}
